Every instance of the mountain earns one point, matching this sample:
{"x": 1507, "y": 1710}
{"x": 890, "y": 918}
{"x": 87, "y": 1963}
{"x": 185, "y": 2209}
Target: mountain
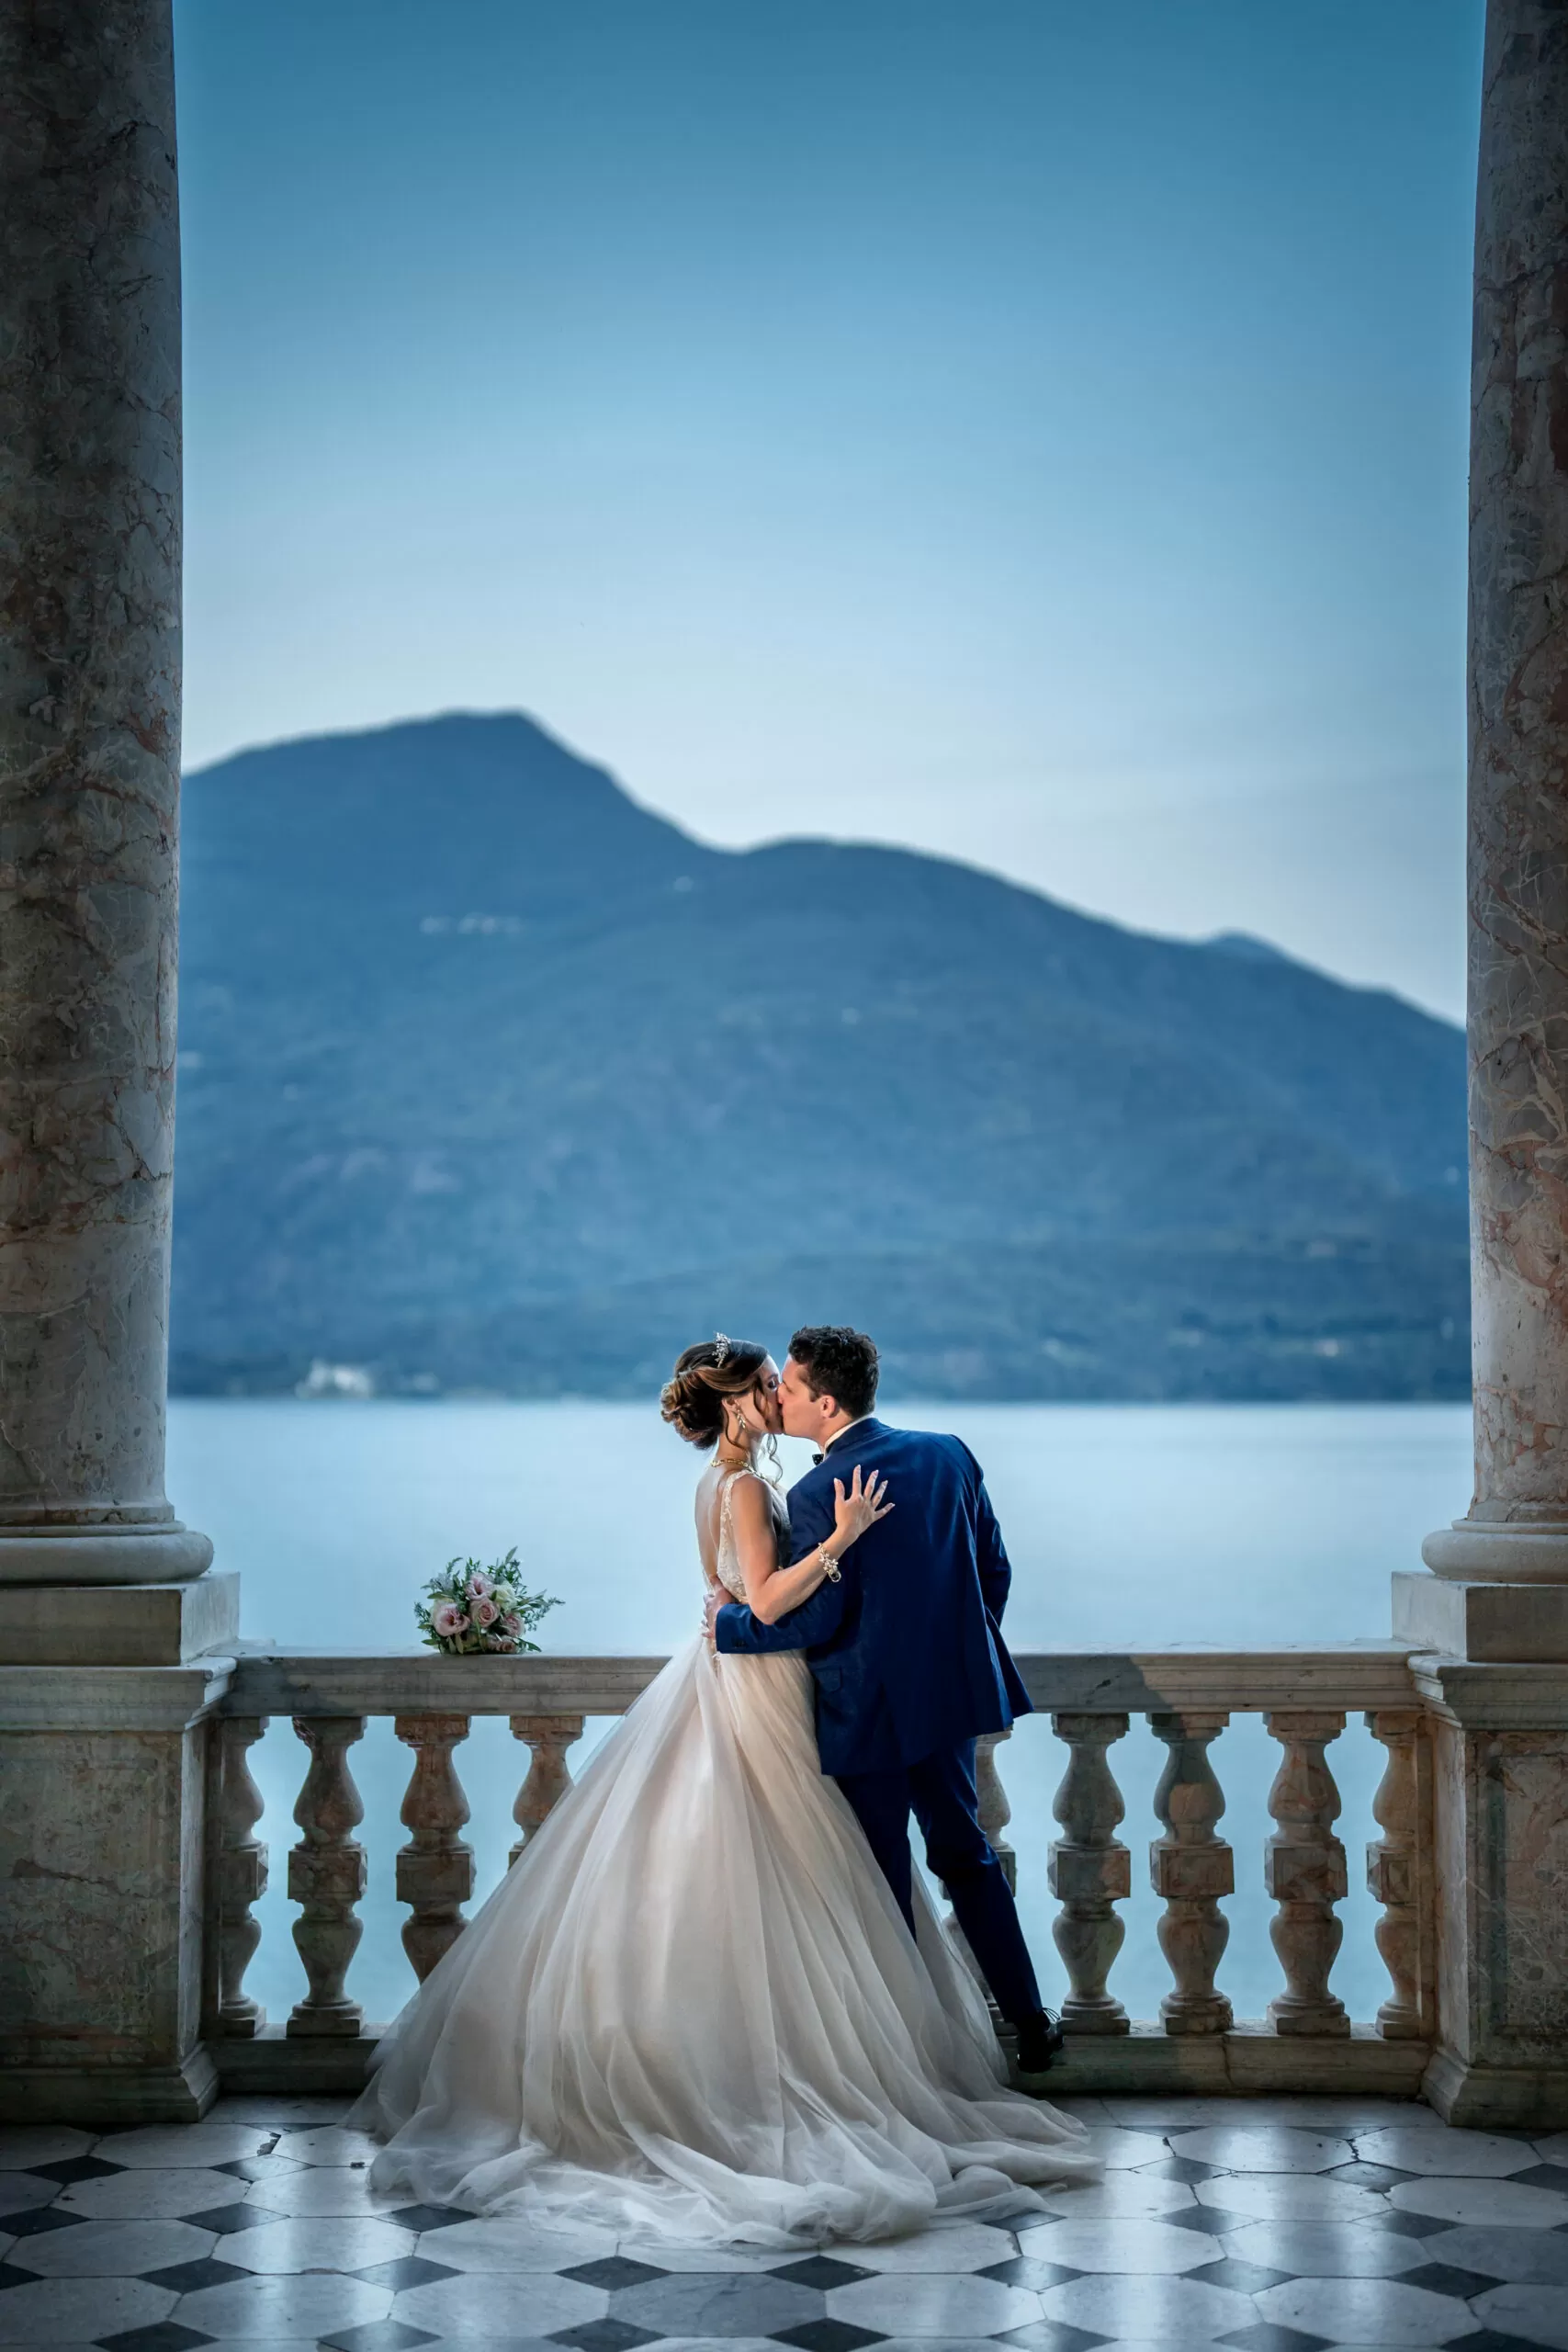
{"x": 492, "y": 1077}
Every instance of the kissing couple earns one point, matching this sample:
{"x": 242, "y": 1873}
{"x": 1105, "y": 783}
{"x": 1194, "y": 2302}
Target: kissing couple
{"x": 712, "y": 2000}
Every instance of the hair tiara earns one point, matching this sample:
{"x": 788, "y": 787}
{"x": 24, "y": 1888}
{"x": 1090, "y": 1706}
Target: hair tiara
{"x": 720, "y": 1349}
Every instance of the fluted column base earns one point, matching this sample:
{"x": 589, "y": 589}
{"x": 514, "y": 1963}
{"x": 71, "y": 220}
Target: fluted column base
{"x": 1500, "y": 1551}
{"x": 154, "y": 1552}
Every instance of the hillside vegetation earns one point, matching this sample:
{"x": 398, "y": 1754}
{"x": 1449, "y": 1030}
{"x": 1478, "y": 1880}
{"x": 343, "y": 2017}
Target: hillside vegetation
{"x": 491, "y": 1078}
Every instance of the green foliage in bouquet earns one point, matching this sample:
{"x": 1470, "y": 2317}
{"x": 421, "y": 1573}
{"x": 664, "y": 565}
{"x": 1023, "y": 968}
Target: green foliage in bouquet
{"x": 470, "y": 1610}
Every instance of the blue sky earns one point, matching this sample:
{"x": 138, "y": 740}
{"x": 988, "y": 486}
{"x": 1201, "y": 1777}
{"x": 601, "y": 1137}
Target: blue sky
{"x": 1031, "y": 432}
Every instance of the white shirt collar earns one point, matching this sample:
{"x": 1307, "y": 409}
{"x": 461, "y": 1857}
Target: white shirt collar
{"x": 827, "y": 1444}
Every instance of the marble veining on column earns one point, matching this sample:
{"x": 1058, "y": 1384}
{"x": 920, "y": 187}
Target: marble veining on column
{"x": 1518, "y": 770}
{"x": 89, "y": 779}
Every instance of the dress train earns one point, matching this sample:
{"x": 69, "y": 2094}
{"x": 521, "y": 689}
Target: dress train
{"x": 693, "y": 2010}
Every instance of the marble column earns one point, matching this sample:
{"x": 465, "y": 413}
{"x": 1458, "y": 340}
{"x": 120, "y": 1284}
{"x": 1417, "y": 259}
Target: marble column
{"x": 89, "y": 790}
{"x": 1493, "y": 1618}
{"x": 105, "y": 1736}
{"x": 1515, "y": 1532}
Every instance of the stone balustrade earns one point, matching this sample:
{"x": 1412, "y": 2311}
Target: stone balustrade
{"x": 1188, "y": 1697}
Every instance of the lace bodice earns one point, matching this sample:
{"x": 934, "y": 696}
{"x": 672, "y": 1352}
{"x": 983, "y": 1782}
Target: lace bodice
{"x": 725, "y": 1561}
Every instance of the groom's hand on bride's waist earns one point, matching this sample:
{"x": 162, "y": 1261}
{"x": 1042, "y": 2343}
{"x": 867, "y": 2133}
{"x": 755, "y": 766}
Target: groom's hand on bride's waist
{"x": 716, "y": 1597}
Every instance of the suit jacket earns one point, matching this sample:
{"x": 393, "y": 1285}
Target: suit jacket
{"x": 906, "y": 1649}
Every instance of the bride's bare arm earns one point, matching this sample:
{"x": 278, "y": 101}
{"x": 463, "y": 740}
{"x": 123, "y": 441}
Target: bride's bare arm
{"x": 772, "y": 1592}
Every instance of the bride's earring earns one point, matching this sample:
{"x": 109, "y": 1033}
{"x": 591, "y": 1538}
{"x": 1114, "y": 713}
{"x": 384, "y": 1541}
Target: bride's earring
{"x": 742, "y": 1429}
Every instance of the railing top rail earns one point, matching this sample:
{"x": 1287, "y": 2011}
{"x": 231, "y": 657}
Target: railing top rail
{"x": 1197, "y": 1676}
{"x": 1347, "y": 1675}
{"x": 422, "y": 1682}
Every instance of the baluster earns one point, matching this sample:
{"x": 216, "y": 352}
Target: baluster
{"x": 242, "y": 1877}
{"x": 1091, "y": 1872}
{"x": 992, "y": 1804}
{"x": 994, "y": 1812}
{"x": 1398, "y": 1870}
{"x": 1189, "y": 1869}
{"x": 547, "y": 1778}
{"x": 326, "y": 1875}
{"x": 1303, "y": 1870}
{"x": 435, "y": 1869}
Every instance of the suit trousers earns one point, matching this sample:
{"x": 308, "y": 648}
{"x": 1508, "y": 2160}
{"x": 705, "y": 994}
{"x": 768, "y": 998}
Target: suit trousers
{"x": 939, "y": 1791}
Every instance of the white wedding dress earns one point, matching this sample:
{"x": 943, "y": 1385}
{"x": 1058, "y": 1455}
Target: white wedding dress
{"x": 693, "y": 2010}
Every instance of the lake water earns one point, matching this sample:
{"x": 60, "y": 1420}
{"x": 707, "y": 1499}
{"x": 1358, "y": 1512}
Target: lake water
{"x": 1128, "y": 1527}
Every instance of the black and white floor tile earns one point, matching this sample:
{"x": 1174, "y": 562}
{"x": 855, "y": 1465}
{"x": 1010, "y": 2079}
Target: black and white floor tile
{"x": 1279, "y": 2225}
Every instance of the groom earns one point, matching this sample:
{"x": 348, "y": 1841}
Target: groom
{"x": 907, "y": 1654}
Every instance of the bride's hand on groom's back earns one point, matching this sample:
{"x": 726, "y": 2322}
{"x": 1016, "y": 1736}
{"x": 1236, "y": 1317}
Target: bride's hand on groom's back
{"x": 861, "y": 1508}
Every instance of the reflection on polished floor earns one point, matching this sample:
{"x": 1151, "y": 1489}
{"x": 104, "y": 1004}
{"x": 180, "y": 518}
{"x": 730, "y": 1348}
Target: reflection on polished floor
{"x": 1270, "y": 2225}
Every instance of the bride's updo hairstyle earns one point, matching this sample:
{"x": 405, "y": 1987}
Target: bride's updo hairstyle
{"x": 693, "y": 1398}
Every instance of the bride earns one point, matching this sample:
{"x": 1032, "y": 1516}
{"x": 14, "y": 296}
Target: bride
{"x": 693, "y": 2010}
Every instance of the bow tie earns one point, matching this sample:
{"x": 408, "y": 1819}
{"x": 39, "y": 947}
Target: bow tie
{"x": 817, "y": 1458}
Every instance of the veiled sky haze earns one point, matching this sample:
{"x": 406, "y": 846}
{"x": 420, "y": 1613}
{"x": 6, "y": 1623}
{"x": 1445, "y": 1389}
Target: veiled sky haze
{"x": 1032, "y": 432}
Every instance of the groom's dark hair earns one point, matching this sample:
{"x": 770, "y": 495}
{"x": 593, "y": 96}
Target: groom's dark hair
{"x": 838, "y": 1363}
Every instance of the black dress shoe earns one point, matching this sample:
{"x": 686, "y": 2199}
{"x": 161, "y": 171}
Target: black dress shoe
{"x": 1039, "y": 2040}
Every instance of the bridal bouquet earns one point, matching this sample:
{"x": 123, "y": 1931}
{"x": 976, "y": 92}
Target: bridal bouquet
{"x": 469, "y": 1608}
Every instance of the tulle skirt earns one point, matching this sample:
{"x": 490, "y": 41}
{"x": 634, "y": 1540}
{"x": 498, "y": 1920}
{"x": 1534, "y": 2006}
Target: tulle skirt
{"x": 693, "y": 2010}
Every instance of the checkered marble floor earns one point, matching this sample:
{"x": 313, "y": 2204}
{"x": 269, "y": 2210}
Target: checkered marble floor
{"x": 1278, "y": 2225}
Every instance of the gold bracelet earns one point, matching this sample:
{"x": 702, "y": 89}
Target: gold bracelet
{"x": 830, "y": 1565}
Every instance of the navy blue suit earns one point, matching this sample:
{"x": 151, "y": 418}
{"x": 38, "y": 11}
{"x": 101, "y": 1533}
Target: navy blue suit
{"x": 910, "y": 1665}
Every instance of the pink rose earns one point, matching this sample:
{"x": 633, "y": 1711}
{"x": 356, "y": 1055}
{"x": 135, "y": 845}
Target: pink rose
{"x": 479, "y": 1585}
{"x": 485, "y": 1613}
{"x": 449, "y": 1620}
{"x": 502, "y": 1642}
{"x": 512, "y": 1625}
